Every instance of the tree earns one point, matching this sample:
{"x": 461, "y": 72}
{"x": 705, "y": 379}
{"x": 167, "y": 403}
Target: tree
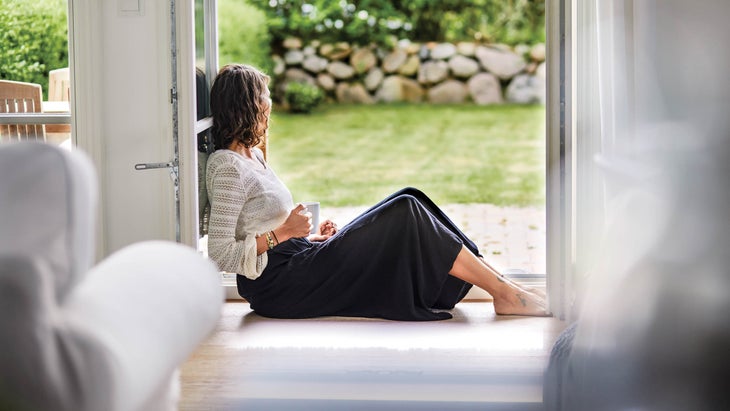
{"x": 33, "y": 39}
{"x": 243, "y": 36}
{"x": 366, "y": 21}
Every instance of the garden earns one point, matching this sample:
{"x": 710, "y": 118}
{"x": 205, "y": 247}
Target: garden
{"x": 371, "y": 96}
{"x": 350, "y": 125}
{"x": 358, "y": 140}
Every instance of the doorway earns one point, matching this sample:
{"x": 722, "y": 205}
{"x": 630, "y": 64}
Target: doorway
{"x": 513, "y": 237}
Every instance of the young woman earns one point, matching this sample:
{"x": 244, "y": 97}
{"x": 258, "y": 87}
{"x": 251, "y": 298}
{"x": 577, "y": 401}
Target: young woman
{"x": 403, "y": 259}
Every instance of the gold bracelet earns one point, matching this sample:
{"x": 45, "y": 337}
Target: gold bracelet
{"x": 269, "y": 240}
{"x": 275, "y": 237}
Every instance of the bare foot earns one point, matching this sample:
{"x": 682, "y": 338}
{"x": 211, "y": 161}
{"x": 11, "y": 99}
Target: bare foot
{"x": 540, "y": 293}
{"x": 516, "y": 301}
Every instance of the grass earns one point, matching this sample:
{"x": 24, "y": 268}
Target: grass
{"x": 356, "y": 154}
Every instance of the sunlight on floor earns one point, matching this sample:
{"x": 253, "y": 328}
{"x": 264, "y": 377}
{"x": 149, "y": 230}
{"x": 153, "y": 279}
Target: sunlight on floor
{"x": 472, "y": 325}
{"x": 477, "y": 360}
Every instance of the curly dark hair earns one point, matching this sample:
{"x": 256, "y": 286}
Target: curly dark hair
{"x": 239, "y": 102}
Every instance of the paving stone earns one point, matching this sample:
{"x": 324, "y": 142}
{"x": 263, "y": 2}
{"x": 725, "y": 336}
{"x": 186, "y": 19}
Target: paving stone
{"x": 508, "y": 237}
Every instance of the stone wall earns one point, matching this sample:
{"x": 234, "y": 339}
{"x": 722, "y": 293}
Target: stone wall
{"x": 429, "y": 72}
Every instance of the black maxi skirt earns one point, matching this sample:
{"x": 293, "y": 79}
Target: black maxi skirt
{"x": 391, "y": 262}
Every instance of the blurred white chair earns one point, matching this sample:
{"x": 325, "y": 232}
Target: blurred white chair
{"x": 75, "y": 337}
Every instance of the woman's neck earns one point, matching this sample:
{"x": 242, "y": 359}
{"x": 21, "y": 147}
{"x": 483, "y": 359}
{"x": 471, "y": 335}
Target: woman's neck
{"x": 241, "y": 149}
{"x": 247, "y": 152}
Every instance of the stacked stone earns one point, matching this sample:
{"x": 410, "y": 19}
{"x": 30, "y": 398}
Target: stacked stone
{"x": 432, "y": 72}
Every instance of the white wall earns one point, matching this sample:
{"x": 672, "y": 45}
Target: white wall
{"x": 122, "y": 115}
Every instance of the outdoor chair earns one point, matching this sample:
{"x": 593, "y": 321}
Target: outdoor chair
{"x": 76, "y": 337}
{"x": 19, "y": 97}
{"x": 59, "y": 85}
{"x": 59, "y": 89}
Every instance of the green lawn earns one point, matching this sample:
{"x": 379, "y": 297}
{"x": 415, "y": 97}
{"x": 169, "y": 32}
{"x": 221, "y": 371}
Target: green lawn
{"x": 355, "y": 155}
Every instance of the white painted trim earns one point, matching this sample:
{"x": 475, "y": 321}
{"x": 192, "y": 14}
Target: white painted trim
{"x": 560, "y": 155}
{"x": 188, "y": 126}
{"x": 230, "y": 291}
{"x": 589, "y": 189}
{"x": 187, "y": 114}
{"x": 84, "y": 17}
{"x": 203, "y": 124}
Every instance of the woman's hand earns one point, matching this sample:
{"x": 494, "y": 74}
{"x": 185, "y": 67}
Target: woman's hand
{"x": 326, "y": 230}
{"x": 297, "y": 225}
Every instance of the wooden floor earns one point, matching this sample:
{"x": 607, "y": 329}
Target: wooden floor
{"x": 477, "y": 360}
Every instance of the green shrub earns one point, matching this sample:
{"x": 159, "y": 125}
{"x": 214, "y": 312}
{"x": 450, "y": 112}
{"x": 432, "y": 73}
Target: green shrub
{"x": 302, "y": 97}
{"x": 243, "y": 35}
{"x": 376, "y": 21}
{"x": 33, "y": 39}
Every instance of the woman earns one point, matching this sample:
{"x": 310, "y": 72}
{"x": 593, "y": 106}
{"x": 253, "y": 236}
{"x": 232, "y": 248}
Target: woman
{"x": 402, "y": 259}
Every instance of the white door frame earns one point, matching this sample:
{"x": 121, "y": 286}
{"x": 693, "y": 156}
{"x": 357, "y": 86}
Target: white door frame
{"x": 188, "y": 124}
{"x": 187, "y": 110}
{"x": 120, "y": 100}
{"x": 83, "y": 17}
{"x": 561, "y": 157}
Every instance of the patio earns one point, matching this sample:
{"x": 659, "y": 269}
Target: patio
{"x": 510, "y": 238}
{"x": 24, "y": 114}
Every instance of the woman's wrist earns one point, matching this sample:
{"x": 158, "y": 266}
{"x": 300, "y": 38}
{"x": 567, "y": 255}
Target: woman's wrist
{"x": 269, "y": 240}
{"x": 279, "y": 235}
{"x": 276, "y": 239}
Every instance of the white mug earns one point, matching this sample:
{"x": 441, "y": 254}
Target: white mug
{"x": 313, "y": 208}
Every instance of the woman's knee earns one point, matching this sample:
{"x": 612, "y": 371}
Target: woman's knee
{"x": 412, "y": 191}
{"x": 404, "y": 204}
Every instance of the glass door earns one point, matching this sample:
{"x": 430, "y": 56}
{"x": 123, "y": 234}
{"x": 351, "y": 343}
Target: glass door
{"x": 35, "y": 80}
{"x": 206, "y": 65}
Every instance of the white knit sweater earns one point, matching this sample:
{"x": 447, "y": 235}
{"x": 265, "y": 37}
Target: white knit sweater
{"x": 246, "y": 200}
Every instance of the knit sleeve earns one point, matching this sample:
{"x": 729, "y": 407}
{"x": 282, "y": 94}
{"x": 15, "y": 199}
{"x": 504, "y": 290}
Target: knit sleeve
{"x": 228, "y": 193}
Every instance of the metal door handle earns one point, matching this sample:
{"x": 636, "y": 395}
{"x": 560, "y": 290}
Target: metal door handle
{"x": 150, "y": 166}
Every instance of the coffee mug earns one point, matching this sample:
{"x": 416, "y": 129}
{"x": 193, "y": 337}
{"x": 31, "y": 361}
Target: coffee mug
{"x": 313, "y": 208}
